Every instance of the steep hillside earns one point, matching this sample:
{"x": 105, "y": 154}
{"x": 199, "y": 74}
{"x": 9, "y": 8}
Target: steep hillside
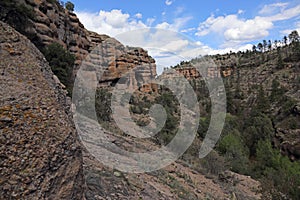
{"x": 261, "y": 134}
{"x": 46, "y": 21}
{"x": 41, "y": 156}
{"x": 277, "y": 73}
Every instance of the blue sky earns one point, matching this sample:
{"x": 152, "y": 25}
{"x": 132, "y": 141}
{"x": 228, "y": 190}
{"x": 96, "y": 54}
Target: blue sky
{"x": 213, "y": 26}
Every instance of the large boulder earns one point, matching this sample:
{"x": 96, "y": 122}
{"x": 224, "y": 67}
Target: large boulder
{"x": 40, "y": 153}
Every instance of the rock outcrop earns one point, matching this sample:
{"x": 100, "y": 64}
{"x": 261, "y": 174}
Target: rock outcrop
{"x": 288, "y": 142}
{"x": 48, "y": 22}
{"x": 112, "y": 61}
{"x": 40, "y": 152}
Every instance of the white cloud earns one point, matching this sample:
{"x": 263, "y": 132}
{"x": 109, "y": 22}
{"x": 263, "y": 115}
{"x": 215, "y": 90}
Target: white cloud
{"x": 235, "y": 30}
{"x": 115, "y": 18}
{"x": 272, "y": 8}
{"x": 176, "y": 45}
{"x": 288, "y": 31}
{"x": 164, "y": 25}
{"x": 187, "y": 30}
{"x": 150, "y": 21}
{"x": 285, "y": 14}
{"x": 168, "y": 2}
{"x": 177, "y": 24}
{"x": 139, "y": 15}
{"x": 241, "y": 12}
{"x": 110, "y": 23}
{"x": 247, "y": 30}
{"x": 168, "y": 46}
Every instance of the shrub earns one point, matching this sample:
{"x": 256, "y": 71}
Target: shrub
{"x": 103, "y": 105}
{"x": 257, "y": 128}
{"x": 277, "y": 91}
{"x": 278, "y": 170}
{"x": 213, "y": 163}
{"x": 235, "y": 152}
{"x": 26, "y": 11}
{"x": 62, "y": 63}
{"x": 69, "y": 6}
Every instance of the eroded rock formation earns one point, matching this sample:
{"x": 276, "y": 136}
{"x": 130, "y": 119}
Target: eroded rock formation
{"x": 40, "y": 152}
{"x": 52, "y": 23}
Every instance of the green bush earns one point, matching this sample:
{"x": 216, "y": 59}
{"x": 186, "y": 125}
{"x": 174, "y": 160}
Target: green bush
{"x": 103, "y": 105}
{"x": 235, "y": 152}
{"x": 26, "y": 11}
{"x": 278, "y": 170}
{"x": 277, "y": 91}
{"x": 203, "y": 127}
{"x": 213, "y": 163}
{"x": 69, "y": 6}
{"x": 257, "y": 128}
{"x": 62, "y": 63}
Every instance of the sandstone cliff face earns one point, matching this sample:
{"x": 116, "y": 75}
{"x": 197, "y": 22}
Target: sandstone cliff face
{"x": 52, "y": 23}
{"x": 40, "y": 154}
{"x": 112, "y": 60}
{"x": 49, "y": 23}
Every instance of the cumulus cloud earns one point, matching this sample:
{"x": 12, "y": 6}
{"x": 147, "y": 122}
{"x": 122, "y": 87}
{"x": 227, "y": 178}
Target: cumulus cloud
{"x": 236, "y": 30}
{"x": 111, "y": 23}
{"x": 139, "y": 15}
{"x": 168, "y": 2}
{"x": 243, "y": 30}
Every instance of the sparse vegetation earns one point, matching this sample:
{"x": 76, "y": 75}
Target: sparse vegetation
{"x": 18, "y": 15}
{"x": 69, "y": 6}
{"x": 103, "y": 110}
{"x": 62, "y": 63}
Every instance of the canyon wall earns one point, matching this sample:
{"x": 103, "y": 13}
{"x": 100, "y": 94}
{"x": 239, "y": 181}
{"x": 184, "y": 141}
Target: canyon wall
{"x": 47, "y": 22}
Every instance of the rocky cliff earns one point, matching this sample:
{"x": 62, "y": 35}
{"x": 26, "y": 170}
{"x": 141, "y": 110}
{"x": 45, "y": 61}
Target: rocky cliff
{"x": 250, "y": 72}
{"x": 46, "y": 21}
{"x": 40, "y": 153}
{"x": 244, "y": 73}
{"x": 112, "y": 60}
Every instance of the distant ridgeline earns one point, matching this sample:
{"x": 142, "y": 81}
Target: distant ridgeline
{"x": 283, "y": 51}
